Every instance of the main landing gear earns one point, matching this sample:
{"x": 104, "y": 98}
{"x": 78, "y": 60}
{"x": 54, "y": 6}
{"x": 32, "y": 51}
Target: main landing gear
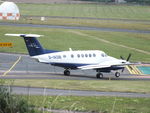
{"x": 67, "y": 72}
{"x": 99, "y": 75}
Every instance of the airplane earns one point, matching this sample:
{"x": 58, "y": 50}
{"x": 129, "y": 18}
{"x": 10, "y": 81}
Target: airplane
{"x": 72, "y": 60}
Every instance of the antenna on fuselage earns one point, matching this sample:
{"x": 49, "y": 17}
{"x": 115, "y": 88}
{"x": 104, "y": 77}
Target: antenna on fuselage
{"x": 70, "y": 49}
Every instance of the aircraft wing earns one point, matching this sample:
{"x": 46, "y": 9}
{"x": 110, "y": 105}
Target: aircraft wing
{"x": 96, "y": 66}
{"x": 105, "y": 64}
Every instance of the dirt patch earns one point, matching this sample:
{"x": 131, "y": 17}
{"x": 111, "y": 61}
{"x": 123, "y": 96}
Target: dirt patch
{"x": 48, "y": 1}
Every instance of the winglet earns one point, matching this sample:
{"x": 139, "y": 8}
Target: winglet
{"x": 24, "y": 35}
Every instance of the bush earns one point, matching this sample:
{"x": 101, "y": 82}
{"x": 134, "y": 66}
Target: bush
{"x": 13, "y": 104}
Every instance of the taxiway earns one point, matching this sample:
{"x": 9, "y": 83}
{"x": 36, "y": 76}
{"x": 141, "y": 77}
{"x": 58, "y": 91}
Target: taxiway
{"x": 27, "y": 68}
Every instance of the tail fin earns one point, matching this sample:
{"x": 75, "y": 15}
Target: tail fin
{"x": 32, "y": 44}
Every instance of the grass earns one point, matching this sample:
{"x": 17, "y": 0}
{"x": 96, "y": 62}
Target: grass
{"x": 124, "y": 38}
{"x": 80, "y": 40}
{"x": 92, "y": 104}
{"x": 86, "y": 39}
{"x": 87, "y": 10}
{"x": 119, "y": 12}
{"x": 94, "y": 85}
{"x": 119, "y": 24}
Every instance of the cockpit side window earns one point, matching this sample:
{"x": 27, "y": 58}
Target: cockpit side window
{"x": 103, "y": 55}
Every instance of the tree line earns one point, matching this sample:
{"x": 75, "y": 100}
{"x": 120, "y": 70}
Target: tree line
{"x": 146, "y": 2}
{"x": 139, "y": 1}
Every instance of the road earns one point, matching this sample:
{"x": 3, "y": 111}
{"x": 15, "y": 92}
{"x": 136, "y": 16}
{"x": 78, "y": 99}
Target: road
{"x": 75, "y": 27}
{"x": 60, "y": 92}
{"x": 86, "y": 18}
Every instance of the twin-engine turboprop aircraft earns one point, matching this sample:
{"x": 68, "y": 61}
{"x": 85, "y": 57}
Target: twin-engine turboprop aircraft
{"x": 88, "y": 59}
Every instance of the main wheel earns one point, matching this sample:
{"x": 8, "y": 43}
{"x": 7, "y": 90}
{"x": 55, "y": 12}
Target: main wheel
{"x": 67, "y": 72}
{"x": 117, "y": 74}
{"x": 99, "y": 75}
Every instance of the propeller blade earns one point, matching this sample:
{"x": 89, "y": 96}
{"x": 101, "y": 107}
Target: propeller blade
{"x": 121, "y": 57}
{"x": 122, "y": 70}
{"x": 129, "y": 57}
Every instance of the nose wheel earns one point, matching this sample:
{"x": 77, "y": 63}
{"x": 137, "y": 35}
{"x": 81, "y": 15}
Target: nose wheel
{"x": 67, "y": 72}
{"x": 117, "y": 74}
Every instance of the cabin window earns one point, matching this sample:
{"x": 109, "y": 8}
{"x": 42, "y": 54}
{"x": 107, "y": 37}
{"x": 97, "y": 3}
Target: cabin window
{"x": 78, "y": 55}
{"x": 86, "y": 55}
{"x": 64, "y": 56}
{"x": 90, "y": 55}
{"x": 94, "y": 55}
{"x": 82, "y": 55}
{"x": 72, "y": 56}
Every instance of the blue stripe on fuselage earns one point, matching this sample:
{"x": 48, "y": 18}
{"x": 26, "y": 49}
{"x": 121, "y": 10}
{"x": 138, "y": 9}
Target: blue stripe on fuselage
{"x": 68, "y": 65}
{"x": 50, "y": 51}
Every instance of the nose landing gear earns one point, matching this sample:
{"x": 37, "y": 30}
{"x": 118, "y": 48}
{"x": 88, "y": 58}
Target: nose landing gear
{"x": 117, "y": 74}
{"x": 67, "y": 72}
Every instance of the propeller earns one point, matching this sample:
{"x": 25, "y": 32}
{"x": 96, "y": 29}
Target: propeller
{"x": 121, "y": 57}
{"x": 128, "y": 58}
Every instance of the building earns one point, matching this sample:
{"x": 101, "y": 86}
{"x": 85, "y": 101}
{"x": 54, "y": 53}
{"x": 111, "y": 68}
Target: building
{"x": 9, "y": 11}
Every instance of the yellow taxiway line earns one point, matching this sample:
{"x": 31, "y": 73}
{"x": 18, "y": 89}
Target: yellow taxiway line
{"x": 12, "y": 66}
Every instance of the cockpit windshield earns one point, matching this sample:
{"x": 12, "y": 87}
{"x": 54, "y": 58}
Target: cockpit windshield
{"x": 103, "y": 54}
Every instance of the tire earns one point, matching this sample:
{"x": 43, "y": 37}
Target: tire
{"x": 67, "y": 73}
{"x": 99, "y": 75}
{"x": 117, "y": 74}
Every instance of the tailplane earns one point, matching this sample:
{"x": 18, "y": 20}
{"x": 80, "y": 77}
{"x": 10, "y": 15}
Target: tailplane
{"x": 33, "y": 46}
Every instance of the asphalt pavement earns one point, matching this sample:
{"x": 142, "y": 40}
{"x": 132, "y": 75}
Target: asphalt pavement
{"x": 28, "y": 68}
{"x": 76, "y": 27}
{"x": 60, "y": 92}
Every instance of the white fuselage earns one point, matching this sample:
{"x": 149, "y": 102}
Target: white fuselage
{"x": 75, "y": 57}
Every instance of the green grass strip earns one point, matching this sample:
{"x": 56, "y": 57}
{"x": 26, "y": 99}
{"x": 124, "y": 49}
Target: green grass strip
{"x": 94, "y": 85}
{"x": 92, "y": 104}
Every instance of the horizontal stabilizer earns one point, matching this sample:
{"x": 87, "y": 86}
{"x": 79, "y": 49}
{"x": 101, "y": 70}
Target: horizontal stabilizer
{"x": 24, "y": 35}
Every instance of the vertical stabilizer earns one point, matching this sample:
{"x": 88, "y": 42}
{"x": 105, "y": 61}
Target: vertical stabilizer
{"x": 33, "y": 46}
